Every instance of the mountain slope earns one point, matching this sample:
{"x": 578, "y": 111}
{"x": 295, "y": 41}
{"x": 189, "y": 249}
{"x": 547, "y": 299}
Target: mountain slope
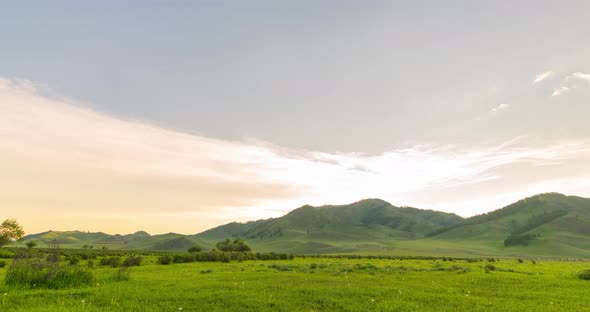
{"x": 549, "y": 220}
{"x": 548, "y": 225}
{"x": 367, "y": 224}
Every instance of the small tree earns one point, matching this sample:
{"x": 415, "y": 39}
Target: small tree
{"x": 195, "y": 248}
{"x": 10, "y": 230}
{"x": 31, "y": 244}
{"x": 237, "y": 245}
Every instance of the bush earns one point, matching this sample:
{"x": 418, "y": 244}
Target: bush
{"x": 132, "y": 261}
{"x": 34, "y": 273}
{"x": 195, "y": 248}
{"x": 74, "y": 260}
{"x": 584, "y": 275}
{"x": 6, "y": 254}
{"x": 113, "y": 262}
{"x": 164, "y": 260}
{"x": 122, "y": 274}
{"x": 490, "y": 267}
{"x": 2, "y": 263}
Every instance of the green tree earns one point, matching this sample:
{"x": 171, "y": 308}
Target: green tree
{"x": 195, "y": 248}
{"x": 237, "y": 245}
{"x": 31, "y": 244}
{"x": 10, "y": 230}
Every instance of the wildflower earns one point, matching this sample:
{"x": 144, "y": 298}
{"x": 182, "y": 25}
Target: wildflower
{"x": 180, "y": 309}
{"x": 372, "y": 300}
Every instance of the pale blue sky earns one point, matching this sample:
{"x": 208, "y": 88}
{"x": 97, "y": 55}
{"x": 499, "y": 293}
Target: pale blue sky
{"x": 461, "y": 106}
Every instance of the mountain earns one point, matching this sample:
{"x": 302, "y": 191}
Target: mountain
{"x": 545, "y": 225}
{"x": 367, "y": 224}
{"x": 546, "y": 222}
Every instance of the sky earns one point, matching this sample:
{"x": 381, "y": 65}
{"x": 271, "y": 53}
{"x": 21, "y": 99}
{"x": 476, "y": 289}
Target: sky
{"x": 181, "y": 116}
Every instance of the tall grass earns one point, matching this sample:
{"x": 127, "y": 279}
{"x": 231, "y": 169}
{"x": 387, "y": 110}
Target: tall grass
{"x": 26, "y": 271}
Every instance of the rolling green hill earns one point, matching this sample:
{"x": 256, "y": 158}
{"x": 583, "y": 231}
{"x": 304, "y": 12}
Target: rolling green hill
{"x": 549, "y": 225}
{"x": 369, "y": 224}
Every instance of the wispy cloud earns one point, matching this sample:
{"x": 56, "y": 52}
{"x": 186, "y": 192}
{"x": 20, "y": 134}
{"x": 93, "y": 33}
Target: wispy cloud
{"x": 560, "y": 90}
{"x": 542, "y": 76}
{"x": 571, "y": 82}
{"x": 582, "y": 76}
{"x": 82, "y": 168}
{"x": 500, "y": 108}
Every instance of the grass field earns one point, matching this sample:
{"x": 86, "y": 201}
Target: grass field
{"x": 321, "y": 284}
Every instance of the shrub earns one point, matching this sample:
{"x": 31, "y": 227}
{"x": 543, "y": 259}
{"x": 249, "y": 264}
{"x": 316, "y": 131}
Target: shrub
{"x": 490, "y": 267}
{"x": 164, "y": 260}
{"x": 132, "y": 261}
{"x": 2, "y": 263}
{"x": 584, "y": 275}
{"x": 113, "y": 262}
{"x": 6, "y": 254}
{"x": 33, "y": 272}
{"x": 122, "y": 274}
{"x": 206, "y": 271}
{"x": 195, "y": 248}
{"x": 281, "y": 267}
{"x": 74, "y": 260}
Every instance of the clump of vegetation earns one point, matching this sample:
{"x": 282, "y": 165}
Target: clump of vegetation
{"x": 2, "y": 263}
{"x": 237, "y": 245}
{"x": 164, "y": 260}
{"x": 10, "y": 230}
{"x": 113, "y": 262}
{"x": 584, "y": 275}
{"x": 489, "y": 267}
{"x": 195, "y": 248}
{"x": 28, "y": 271}
{"x": 122, "y": 274}
{"x": 281, "y": 267}
{"x": 132, "y": 261}
{"x": 206, "y": 271}
{"x": 519, "y": 239}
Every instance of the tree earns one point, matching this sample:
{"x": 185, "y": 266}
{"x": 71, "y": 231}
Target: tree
{"x": 237, "y": 245}
{"x": 10, "y": 230}
{"x": 31, "y": 244}
{"x": 195, "y": 248}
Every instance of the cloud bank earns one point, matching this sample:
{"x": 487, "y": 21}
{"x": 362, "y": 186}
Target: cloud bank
{"x": 82, "y": 169}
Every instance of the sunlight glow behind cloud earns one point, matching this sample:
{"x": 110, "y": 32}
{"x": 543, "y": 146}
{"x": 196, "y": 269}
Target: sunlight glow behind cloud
{"x": 82, "y": 169}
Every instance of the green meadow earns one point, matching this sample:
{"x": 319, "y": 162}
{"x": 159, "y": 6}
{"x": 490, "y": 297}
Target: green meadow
{"x": 319, "y": 284}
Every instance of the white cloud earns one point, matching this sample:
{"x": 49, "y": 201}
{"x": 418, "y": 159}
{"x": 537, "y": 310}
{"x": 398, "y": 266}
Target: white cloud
{"x": 84, "y": 166}
{"x": 500, "y": 108}
{"x": 560, "y": 90}
{"x": 571, "y": 82}
{"x": 583, "y": 76}
{"x": 542, "y": 76}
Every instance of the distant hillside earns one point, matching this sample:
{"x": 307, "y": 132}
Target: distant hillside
{"x": 546, "y": 221}
{"x": 369, "y": 223}
{"x": 552, "y": 225}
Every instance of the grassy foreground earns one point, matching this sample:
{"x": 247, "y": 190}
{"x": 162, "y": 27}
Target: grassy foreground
{"x": 321, "y": 284}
